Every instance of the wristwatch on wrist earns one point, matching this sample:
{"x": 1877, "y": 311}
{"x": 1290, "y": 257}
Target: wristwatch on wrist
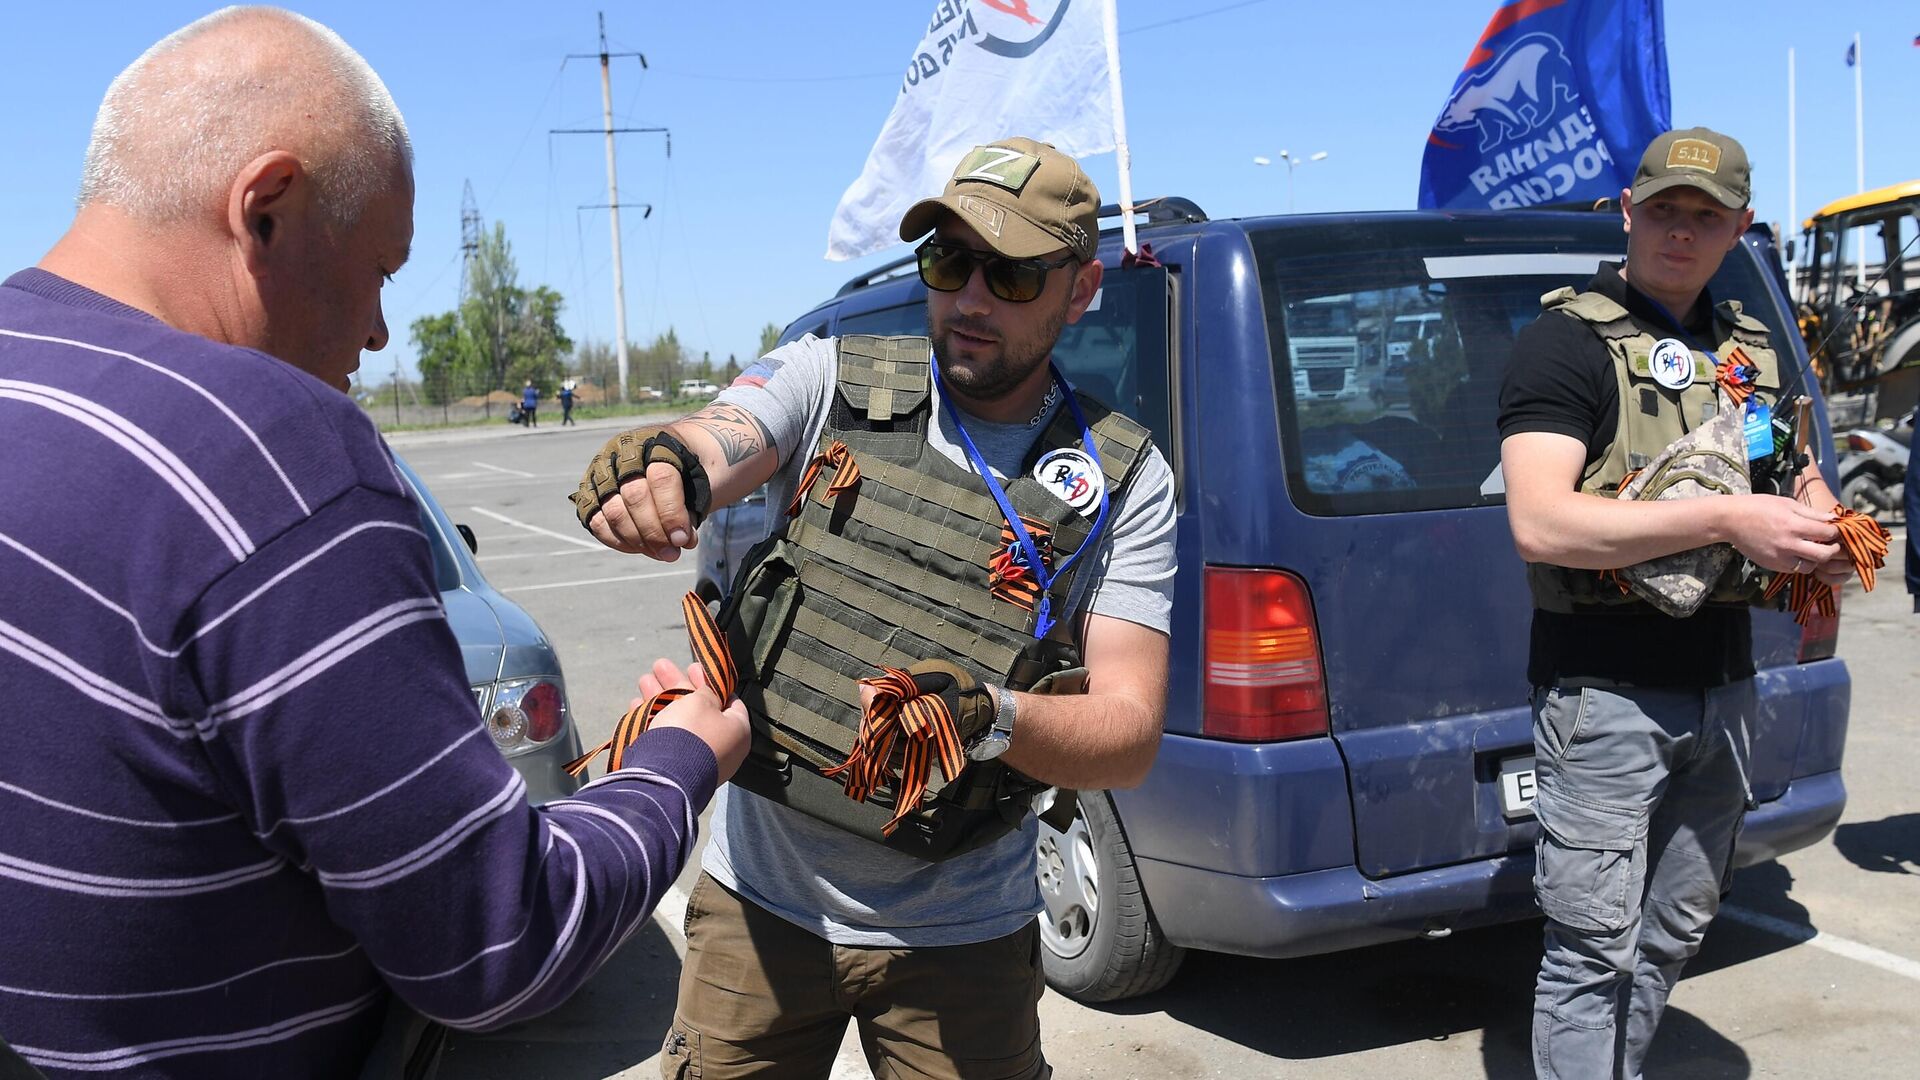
{"x": 994, "y": 741}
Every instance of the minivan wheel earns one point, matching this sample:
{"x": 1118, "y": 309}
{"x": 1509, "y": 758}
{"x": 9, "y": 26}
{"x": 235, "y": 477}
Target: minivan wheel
{"x": 1102, "y": 943}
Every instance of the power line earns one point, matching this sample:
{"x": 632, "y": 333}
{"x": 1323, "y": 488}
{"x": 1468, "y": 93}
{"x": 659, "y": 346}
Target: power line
{"x": 1191, "y": 17}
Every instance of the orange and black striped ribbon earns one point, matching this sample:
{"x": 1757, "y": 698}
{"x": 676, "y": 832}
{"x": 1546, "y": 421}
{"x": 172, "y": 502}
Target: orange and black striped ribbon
{"x": 846, "y": 473}
{"x": 1012, "y": 580}
{"x": 1865, "y": 541}
{"x": 899, "y": 712}
{"x": 1735, "y": 375}
{"x": 709, "y": 648}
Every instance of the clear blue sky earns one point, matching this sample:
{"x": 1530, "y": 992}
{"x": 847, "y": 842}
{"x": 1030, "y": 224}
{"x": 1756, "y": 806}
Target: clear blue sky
{"x": 773, "y": 107}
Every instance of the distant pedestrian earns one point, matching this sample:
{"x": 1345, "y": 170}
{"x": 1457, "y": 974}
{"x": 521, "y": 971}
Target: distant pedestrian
{"x": 566, "y": 403}
{"x": 530, "y": 403}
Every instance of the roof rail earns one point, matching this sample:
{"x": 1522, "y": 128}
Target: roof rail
{"x": 1161, "y": 210}
{"x": 1606, "y": 204}
{"x": 884, "y": 270}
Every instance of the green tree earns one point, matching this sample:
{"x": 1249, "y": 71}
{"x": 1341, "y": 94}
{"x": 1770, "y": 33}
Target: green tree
{"x": 502, "y": 334}
{"x": 769, "y": 337}
{"x": 594, "y": 363}
{"x": 536, "y": 345}
{"x": 493, "y": 303}
{"x": 446, "y": 356}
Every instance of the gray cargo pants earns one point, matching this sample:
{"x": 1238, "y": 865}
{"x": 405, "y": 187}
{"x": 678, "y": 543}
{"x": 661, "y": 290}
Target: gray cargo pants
{"x": 1640, "y": 793}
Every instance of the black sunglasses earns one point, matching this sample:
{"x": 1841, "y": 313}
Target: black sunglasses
{"x": 948, "y": 267}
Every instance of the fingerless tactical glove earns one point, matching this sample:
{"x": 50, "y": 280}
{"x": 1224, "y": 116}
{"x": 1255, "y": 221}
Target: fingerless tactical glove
{"x": 626, "y": 456}
{"x": 970, "y": 704}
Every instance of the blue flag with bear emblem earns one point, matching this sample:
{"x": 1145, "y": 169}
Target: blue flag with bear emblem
{"x": 1557, "y": 102}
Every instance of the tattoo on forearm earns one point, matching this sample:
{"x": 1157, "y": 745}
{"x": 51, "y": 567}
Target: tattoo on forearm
{"x": 739, "y": 433}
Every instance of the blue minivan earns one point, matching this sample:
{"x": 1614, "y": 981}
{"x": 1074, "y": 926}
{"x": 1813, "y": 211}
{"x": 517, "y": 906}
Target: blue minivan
{"x": 1348, "y": 748}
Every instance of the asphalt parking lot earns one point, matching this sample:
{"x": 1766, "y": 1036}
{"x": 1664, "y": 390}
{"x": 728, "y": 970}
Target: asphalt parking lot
{"x": 1813, "y": 971}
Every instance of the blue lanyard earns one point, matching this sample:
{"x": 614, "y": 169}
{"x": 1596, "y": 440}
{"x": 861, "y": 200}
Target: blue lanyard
{"x": 1680, "y": 328}
{"x": 1041, "y": 575}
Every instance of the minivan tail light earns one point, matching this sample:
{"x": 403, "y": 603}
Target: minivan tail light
{"x": 1821, "y": 634}
{"x": 1859, "y": 444}
{"x": 1264, "y": 679}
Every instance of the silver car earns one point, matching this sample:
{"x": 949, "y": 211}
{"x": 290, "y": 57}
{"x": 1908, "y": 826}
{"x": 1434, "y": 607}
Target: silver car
{"x": 725, "y": 538}
{"x": 513, "y": 668}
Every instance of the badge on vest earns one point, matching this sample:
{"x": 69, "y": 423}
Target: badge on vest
{"x": 1671, "y": 364}
{"x": 1070, "y": 474}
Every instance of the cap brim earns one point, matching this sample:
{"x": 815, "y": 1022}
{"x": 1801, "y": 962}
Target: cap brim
{"x": 1719, "y": 193}
{"x": 1005, "y": 231}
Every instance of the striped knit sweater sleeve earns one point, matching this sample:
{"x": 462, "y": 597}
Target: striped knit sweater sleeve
{"x": 331, "y": 704}
{"x": 246, "y": 794}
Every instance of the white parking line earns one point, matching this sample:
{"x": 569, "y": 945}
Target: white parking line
{"x": 542, "y": 554}
{"x": 591, "y": 545}
{"x": 595, "y": 581}
{"x": 1819, "y": 939}
{"x": 505, "y": 472}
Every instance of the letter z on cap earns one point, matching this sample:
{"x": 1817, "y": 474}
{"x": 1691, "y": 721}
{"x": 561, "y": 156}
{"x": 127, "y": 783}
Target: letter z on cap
{"x": 1024, "y": 198}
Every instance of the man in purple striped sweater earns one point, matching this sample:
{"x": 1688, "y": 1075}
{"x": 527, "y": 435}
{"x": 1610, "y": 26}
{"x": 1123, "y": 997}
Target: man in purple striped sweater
{"x": 247, "y": 798}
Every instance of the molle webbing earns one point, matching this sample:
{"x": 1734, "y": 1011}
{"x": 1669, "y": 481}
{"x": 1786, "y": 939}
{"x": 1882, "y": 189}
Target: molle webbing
{"x": 892, "y": 562}
{"x": 1650, "y": 418}
{"x": 883, "y": 378}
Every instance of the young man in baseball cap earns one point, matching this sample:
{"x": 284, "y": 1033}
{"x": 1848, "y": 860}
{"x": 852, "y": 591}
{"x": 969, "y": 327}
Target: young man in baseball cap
{"x": 1640, "y": 717}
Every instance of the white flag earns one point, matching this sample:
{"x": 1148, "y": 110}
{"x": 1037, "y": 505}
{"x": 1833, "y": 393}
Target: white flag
{"x": 986, "y": 70}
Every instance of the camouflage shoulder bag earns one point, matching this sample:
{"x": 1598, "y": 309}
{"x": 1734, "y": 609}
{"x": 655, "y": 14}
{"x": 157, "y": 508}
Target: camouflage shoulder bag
{"x": 1709, "y": 460}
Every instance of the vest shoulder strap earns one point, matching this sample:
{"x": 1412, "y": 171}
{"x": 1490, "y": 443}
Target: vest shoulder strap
{"x": 883, "y": 378}
{"x": 1121, "y": 441}
{"x": 1732, "y": 312}
{"x": 1588, "y": 307}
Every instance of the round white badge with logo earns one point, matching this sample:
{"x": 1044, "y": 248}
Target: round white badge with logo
{"x": 1672, "y": 364}
{"x": 1069, "y": 473}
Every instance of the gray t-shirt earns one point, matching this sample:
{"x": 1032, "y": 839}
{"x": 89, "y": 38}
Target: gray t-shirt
{"x": 853, "y": 891}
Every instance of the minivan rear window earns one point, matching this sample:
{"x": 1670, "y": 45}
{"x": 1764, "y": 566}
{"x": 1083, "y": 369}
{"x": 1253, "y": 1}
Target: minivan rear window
{"x": 1389, "y": 346}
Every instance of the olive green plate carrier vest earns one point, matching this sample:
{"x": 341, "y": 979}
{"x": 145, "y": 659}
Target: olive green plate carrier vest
{"x": 892, "y": 571}
{"x": 1652, "y": 419}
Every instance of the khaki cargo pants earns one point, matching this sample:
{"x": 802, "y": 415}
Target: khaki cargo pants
{"x": 761, "y": 997}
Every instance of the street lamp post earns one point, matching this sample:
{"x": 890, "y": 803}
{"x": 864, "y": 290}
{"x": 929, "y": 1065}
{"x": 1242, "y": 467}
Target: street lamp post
{"x": 1292, "y": 164}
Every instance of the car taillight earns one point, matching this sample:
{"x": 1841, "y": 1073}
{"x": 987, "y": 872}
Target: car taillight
{"x": 543, "y": 708}
{"x": 1821, "y": 633}
{"x": 524, "y": 713}
{"x": 1263, "y": 676}
{"x": 1859, "y": 443}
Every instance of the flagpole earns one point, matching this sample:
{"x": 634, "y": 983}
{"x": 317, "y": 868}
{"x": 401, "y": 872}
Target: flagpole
{"x": 1792, "y": 175}
{"x": 1122, "y": 156}
{"x": 1859, "y": 142}
{"x": 1859, "y": 120}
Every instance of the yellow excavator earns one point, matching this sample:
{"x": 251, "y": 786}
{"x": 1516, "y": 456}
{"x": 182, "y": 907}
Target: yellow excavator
{"x": 1858, "y": 275}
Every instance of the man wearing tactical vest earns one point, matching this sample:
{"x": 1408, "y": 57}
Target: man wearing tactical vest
{"x": 966, "y": 602}
{"x": 1641, "y": 716}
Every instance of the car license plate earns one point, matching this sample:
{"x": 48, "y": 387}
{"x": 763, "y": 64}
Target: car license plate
{"x": 1516, "y": 786}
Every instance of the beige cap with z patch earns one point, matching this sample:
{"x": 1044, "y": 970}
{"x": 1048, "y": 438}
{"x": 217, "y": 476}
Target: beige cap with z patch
{"x": 1024, "y": 198}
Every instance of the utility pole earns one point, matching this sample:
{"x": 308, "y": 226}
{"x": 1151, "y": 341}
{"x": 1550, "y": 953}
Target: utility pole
{"x": 470, "y": 227}
{"x": 613, "y": 186}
